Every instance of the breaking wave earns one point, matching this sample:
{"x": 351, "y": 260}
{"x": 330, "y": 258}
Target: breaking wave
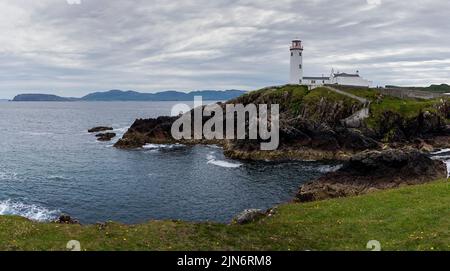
{"x": 221, "y": 163}
{"x": 329, "y": 168}
{"x": 162, "y": 146}
{"x": 441, "y": 151}
{"x": 30, "y": 211}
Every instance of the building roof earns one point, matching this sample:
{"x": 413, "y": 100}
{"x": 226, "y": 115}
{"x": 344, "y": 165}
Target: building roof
{"x": 343, "y": 74}
{"x": 316, "y": 78}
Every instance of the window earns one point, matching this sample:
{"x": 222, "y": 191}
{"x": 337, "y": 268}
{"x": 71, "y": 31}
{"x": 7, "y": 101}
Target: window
{"x": 292, "y": 54}
{"x": 300, "y": 81}
{"x": 323, "y": 81}
{"x": 300, "y": 66}
{"x": 300, "y": 54}
{"x": 313, "y": 81}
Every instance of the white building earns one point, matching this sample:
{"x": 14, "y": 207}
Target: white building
{"x": 296, "y": 74}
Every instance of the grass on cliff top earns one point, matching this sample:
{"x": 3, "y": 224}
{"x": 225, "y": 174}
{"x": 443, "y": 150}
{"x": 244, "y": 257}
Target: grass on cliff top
{"x": 406, "y": 108}
{"x": 409, "y": 218}
{"x": 293, "y": 98}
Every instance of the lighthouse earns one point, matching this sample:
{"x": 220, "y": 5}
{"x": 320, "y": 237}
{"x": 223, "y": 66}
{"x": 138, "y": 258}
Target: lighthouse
{"x": 296, "y": 62}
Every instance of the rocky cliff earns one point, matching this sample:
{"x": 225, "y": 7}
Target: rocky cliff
{"x": 311, "y": 125}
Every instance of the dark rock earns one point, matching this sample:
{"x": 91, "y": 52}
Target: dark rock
{"x": 145, "y": 131}
{"x": 100, "y": 129}
{"x": 66, "y": 219}
{"x": 105, "y": 136}
{"x": 248, "y": 216}
{"x": 371, "y": 171}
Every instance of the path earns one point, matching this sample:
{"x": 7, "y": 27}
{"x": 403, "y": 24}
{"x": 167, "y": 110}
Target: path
{"x": 357, "y": 119}
{"x": 362, "y": 100}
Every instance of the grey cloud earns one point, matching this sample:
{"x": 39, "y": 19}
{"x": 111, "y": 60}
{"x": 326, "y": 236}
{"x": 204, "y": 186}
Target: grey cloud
{"x": 50, "y": 46}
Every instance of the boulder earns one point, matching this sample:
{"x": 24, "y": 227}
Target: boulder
{"x": 145, "y": 131}
{"x": 100, "y": 129}
{"x": 249, "y": 216}
{"x": 371, "y": 171}
{"x": 66, "y": 219}
{"x": 105, "y": 136}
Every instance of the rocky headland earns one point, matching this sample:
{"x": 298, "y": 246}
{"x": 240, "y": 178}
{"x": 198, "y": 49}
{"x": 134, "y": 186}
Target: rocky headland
{"x": 386, "y": 148}
{"x": 312, "y": 128}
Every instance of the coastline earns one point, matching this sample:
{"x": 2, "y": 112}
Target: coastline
{"x": 385, "y": 215}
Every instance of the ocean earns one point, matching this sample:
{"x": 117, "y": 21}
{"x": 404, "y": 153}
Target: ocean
{"x": 50, "y": 164}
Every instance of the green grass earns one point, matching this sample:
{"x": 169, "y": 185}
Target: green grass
{"x": 409, "y": 218}
{"x": 294, "y": 98}
{"x": 407, "y": 108}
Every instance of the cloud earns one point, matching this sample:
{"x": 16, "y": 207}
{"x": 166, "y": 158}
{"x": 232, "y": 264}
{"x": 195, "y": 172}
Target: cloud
{"x": 51, "y": 46}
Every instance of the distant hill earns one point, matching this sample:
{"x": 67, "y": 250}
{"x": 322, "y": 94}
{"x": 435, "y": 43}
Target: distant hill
{"x": 442, "y": 88}
{"x": 41, "y": 98}
{"x": 119, "y": 95}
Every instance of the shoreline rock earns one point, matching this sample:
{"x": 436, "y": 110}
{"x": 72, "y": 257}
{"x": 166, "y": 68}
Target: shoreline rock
{"x": 105, "y": 136}
{"x": 100, "y": 129}
{"x": 371, "y": 171}
{"x": 66, "y": 219}
{"x": 248, "y": 216}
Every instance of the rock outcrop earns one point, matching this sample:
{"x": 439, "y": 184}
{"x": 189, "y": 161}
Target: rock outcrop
{"x": 66, "y": 219}
{"x": 100, "y": 129}
{"x": 372, "y": 171}
{"x": 105, "y": 136}
{"x": 144, "y": 131}
{"x": 248, "y": 216}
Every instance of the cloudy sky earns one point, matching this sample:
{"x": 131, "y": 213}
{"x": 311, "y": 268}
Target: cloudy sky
{"x": 51, "y": 46}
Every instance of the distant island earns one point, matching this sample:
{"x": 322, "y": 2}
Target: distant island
{"x": 119, "y": 95}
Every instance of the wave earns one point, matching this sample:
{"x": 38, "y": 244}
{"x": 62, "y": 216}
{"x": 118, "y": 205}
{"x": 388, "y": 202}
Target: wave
{"x": 441, "y": 151}
{"x": 221, "y": 163}
{"x": 162, "y": 146}
{"x": 30, "y": 211}
{"x": 121, "y": 131}
{"x": 329, "y": 168}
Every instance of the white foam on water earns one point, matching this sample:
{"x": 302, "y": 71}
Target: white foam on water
{"x": 441, "y": 157}
{"x": 221, "y": 163}
{"x": 441, "y": 151}
{"x": 161, "y": 146}
{"x": 7, "y": 175}
{"x": 122, "y": 130}
{"x": 30, "y": 211}
{"x": 329, "y": 168}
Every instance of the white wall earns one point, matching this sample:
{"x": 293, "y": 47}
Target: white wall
{"x": 351, "y": 81}
{"x": 296, "y": 72}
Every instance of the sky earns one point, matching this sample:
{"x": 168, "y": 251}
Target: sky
{"x": 69, "y": 49}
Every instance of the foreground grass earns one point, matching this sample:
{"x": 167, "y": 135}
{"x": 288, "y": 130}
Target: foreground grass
{"x": 410, "y": 218}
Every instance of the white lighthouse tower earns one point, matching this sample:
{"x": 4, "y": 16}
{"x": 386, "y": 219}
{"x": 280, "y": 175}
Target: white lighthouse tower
{"x": 296, "y": 62}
